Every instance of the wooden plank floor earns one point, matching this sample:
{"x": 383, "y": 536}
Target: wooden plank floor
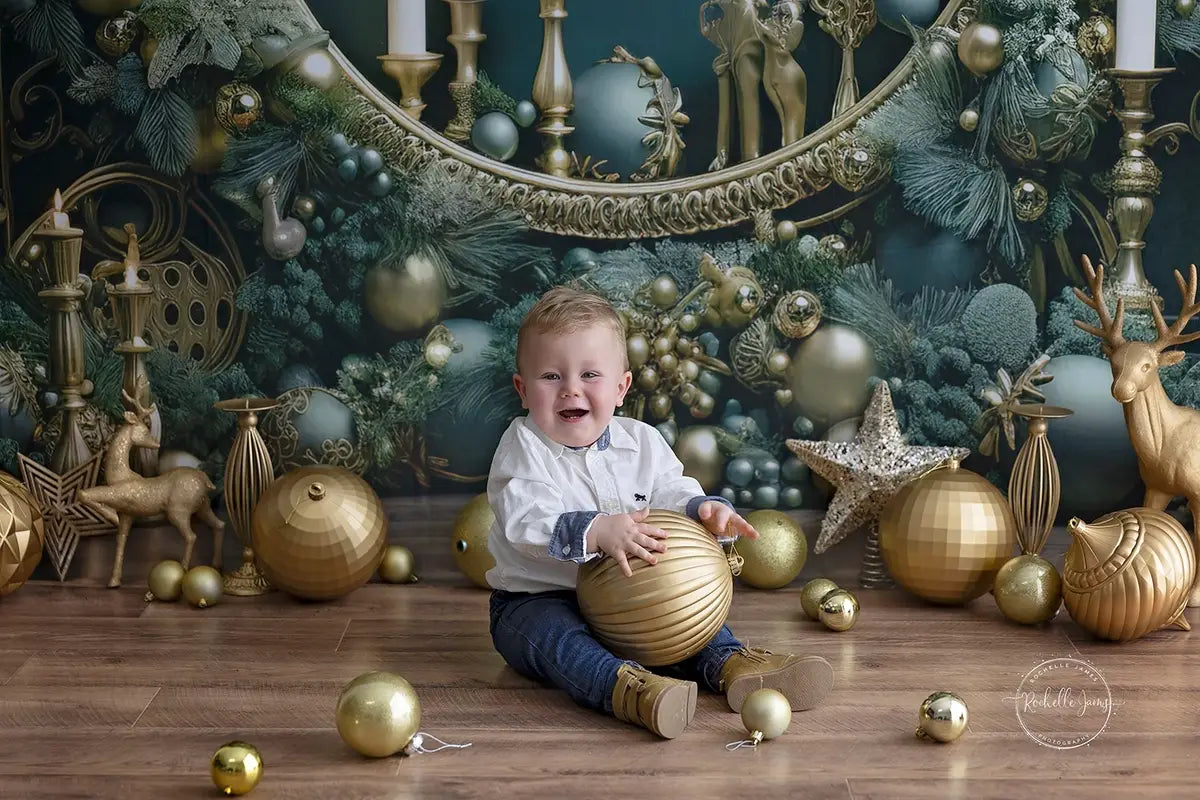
{"x": 103, "y": 695}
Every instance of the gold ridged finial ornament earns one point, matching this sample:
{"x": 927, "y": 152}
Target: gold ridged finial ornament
{"x": 1128, "y": 573}
{"x": 667, "y": 612}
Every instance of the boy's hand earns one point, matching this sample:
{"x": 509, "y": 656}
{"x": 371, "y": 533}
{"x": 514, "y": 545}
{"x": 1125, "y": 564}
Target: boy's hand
{"x": 722, "y": 521}
{"x": 624, "y": 535}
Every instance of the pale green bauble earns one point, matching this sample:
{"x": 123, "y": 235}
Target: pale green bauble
{"x": 526, "y": 113}
{"x": 608, "y": 102}
{"x": 496, "y": 135}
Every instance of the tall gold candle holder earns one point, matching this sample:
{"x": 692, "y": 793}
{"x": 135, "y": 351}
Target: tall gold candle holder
{"x": 1135, "y": 182}
{"x": 1034, "y": 486}
{"x": 466, "y": 21}
{"x": 63, "y": 246}
{"x": 247, "y": 473}
{"x": 411, "y": 71}
{"x": 131, "y": 307}
{"x": 552, "y": 90}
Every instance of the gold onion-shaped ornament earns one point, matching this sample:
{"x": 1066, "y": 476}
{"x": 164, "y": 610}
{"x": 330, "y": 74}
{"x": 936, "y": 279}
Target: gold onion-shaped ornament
{"x": 667, "y": 612}
{"x": 1128, "y": 573}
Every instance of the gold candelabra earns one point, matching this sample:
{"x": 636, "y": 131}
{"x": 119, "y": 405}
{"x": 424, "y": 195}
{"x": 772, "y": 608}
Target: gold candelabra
{"x": 63, "y": 246}
{"x": 552, "y": 90}
{"x": 1135, "y": 182}
{"x": 247, "y": 473}
{"x": 466, "y": 20}
{"x": 1034, "y": 486}
{"x": 411, "y": 71}
{"x": 131, "y": 305}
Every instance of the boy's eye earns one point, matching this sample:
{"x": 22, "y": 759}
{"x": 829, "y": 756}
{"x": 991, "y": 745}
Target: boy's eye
{"x": 590, "y": 374}
{"x": 550, "y": 376}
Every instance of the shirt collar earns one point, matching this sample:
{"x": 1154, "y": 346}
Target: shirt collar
{"x": 616, "y": 437}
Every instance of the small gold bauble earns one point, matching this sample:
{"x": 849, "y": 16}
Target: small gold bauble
{"x": 688, "y": 322}
{"x": 942, "y": 717}
{"x": 660, "y": 405}
{"x": 786, "y": 230}
{"x": 107, "y": 8}
{"x": 236, "y": 767}
{"x": 407, "y": 297}
{"x": 981, "y": 48}
{"x": 689, "y": 370}
{"x": 437, "y": 354}
{"x": 648, "y": 379}
{"x": 662, "y": 346}
{"x": 683, "y": 347}
{"x": 1028, "y": 590}
{"x": 797, "y": 314}
{"x": 968, "y": 120}
{"x": 767, "y": 712}
{"x": 1030, "y": 199}
{"x": 638, "y": 349}
{"x": 471, "y": 528}
{"x": 148, "y": 48}
{"x": 1097, "y": 37}
{"x": 812, "y": 593}
{"x": 166, "y": 581}
{"x": 1185, "y": 8}
{"x": 702, "y": 406}
{"x": 778, "y": 362}
{"x": 114, "y": 36}
{"x": 378, "y": 713}
{"x": 304, "y": 208}
{"x": 664, "y": 292}
{"x": 775, "y": 558}
{"x": 237, "y": 106}
{"x": 397, "y": 565}
{"x": 783, "y": 397}
{"x": 698, "y": 448}
{"x": 833, "y": 246}
{"x": 33, "y": 251}
{"x": 838, "y": 610}
{"x": 202, "y": 586}
{"x": 668, "y": 363}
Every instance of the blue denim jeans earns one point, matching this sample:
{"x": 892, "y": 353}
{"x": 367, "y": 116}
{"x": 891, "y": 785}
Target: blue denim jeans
{"x": 543, "y": 636}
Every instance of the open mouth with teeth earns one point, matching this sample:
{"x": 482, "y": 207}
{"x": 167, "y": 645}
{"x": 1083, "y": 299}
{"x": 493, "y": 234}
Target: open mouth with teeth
{"x": 573, "y": 414}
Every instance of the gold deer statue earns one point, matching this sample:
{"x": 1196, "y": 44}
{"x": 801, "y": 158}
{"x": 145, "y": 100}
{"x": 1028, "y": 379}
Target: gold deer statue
{"x": 1164, "y": 436}
{"x": 126, "y": 495}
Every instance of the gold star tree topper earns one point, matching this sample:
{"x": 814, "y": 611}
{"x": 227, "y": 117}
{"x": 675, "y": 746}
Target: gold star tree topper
{"x": 869, "y": 471}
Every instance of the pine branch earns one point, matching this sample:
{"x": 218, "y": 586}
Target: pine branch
{"x": 167, "y": 131}
{"x": 272, "y": 150}
{"x": 94, "y": 83}
{"x": 131, "y": 90}
{"x": 51, "y": 28}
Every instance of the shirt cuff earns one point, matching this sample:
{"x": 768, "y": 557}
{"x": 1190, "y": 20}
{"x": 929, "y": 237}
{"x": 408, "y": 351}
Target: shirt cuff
{"x": 569, "y": 540}
{"x": 693, "y": 511}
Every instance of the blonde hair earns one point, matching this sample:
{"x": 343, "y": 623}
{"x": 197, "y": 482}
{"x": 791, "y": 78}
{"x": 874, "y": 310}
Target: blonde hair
{"x": 564, "y": 309}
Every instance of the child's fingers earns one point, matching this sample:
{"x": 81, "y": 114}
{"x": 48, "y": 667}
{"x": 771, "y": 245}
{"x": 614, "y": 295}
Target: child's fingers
{"x": 643, "y": 554}
{"x": 624, "y": 562}
{"x": 650, "y": 543}
{"x": 640, "y": 514}
{"x": 650, "y": 530}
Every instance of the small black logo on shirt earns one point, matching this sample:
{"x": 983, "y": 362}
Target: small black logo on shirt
{"x": 639, "y": 498}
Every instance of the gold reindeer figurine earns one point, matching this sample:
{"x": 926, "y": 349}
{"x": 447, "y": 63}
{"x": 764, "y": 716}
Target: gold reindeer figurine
{"x": 126, "y": 495}
{"x": 1166, "y": 437}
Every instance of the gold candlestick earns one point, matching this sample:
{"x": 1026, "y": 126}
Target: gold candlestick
{"x": 63, "y": 246}
{"x": 131, "y": 305}
{"x": 411, "y": 71}
{"x": 552, "y": 90}
{"x": 1034, "y": 486}
{"x": 1135, "y": 182}
{"x": 466, "y": 19}
{"x": 247, "y": 473}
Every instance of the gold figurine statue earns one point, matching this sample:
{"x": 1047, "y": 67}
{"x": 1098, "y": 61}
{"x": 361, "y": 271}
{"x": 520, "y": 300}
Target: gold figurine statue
{"x": 783, "y": 78}
{"x": 732, "y": 25}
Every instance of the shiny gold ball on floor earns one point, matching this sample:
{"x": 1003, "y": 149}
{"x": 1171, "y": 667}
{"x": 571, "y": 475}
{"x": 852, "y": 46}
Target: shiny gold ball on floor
{"x": 812, "y": 593}
{"x": 775, "y": 558}
{"x": 1028, "y": 590}
{"x": 767, "y": 711}
{"x": 397, "y": 565}
{"x": 838, "y": 610}
{"x": 378, "y": 713}
{"x": 471, "y": 528}
{"x": 786, "y": 230}
{"x": 942, "y": 718}
{"x": 236, "y": 767}
{"x": 166, "y": 581}
{"x": 981, "y": 48}
{"x": 202, "y": 586}
{"x": 968, "y": 120}
{"x": 664, "y": 292}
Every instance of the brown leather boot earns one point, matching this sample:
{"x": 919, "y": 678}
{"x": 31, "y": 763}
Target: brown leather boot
{"x": 662, "y": 705}
{"x": 803, "y": 680}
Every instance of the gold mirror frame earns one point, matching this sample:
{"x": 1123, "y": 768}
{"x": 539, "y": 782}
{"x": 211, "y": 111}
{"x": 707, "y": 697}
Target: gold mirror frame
{"x": 679, "y": 206}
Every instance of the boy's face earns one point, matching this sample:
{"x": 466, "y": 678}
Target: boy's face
{"x": 572, "y": 383}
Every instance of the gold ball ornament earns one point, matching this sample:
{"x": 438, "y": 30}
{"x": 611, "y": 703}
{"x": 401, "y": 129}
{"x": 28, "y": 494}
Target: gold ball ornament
{"x": 834, "y": 246}
{"x": 378, "y": 714}
{"x": 945, "y": 536}
{"x": 648, "y": 379}
{"x": 33, "y": 251}
{"x": 22, "y": 534}
{"x": 942, "y": 717}
{"x": 165, "y": 581}
{"x": 981, "y": 48}
{"x": 1028, "y": 590}
{"x": 812, "y": 593}
{"x": 319, "y": 532}
{"x": 968, "y": 120}
{"x": 202, "y": 586}
{"x": 211, "y": 143}
{"x": 797, "y": 314}
{"x": 664, "y": 292}
{"x": 668, "y": 363}
{"x": 397, "y": 565}
{"x": 786, "y": 231}
{"x": 115, "y": 36}
{"x": 775, "y": 558}
{"x": 766, "y": 714}
{"x": 304, "y": 208}
{"x": 107, "y": 8}
{"x": 702, "y": 407}
{"x": 637, "y": 347}
{"x": 437, "y": 354}
{"x": 1185, "y": 8}
{"x": 236, "y": 767}
{"x": 664, "y": 613}
{"x": 237, "y": 106}
{"x": 778, "y": 362}
{"x": 688, "y": 322}
{"x": 838, "y": 610}
{"x": 829, "y": 372}
{"x": 1030, "y": 199}
{"x": 1128, "y": 573}
{"x": 407, "y": 298}
{"x": 699, "y": 449}
{"x": 471, "y": 528}
{"x": 1096, "y": 37}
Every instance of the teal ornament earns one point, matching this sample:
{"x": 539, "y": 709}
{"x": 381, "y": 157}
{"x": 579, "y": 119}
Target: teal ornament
{"x": 580, "y": 259}
{"x": 310, "y": 426}
{"x": 739, "y": 425}
{"x": 766, "y": 496}
{"x": 1001, "y": 327}
{"x": 496, "y": 135}
{"x": 791, "y": 497}
{"x": 337, "y": 216}
{"x": 729, "y": 494}
{"x": 526, "y": 113}
{"x": 709, "y": 341}
{"x": 793, "y": 470}
{"x": 317, "y": 225}
{"x": 914, "y": 255}
{"x": 803, "y": 426}
{"x": 348, "y": 168}
{"x": 767, "y": 471}
{"x": 739, "y": 472}
{"x": 893, "y": 13}
{"x": 380, "y": 184}
{"x": 340, "y": 146}
{"x": 745, "y": 497}
{"x": 608, "y": 102}
{"x": 369, "y": 161}
{"x": 709, "y": 382}
{"x": 669, "y": 431}
{"x": 1061, "y": 67}
{"x": 295, "y": 376}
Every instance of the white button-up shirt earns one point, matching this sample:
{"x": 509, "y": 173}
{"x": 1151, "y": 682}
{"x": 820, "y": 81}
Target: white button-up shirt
{"x": 534, "y": 481}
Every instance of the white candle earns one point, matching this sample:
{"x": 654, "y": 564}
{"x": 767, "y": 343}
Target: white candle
{"x": 1135, "y": 34}
{"x": 406, "y": 26}
{"x": 131, "y": 277}
{"x": 58, "y": 218}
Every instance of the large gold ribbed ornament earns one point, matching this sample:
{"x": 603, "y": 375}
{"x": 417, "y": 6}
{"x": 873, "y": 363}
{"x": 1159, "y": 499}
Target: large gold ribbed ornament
{"x": 775, "y": 558}
{"x": 471, "y": 528}
{"x": 22, "y": 532}
{"x": 944, "y": 536}
{"x": 664, "y": 613}
{"x": 1128, "y": 573}
{"x": 319, "y": 532}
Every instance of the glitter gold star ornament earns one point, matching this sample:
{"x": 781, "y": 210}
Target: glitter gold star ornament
{"x": 66, "y": 519}
{"x": 869, "y": 471}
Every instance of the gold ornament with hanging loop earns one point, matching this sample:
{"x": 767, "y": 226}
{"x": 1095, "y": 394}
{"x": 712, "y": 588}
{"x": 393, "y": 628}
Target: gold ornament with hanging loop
{"x": 767, "y": 713}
